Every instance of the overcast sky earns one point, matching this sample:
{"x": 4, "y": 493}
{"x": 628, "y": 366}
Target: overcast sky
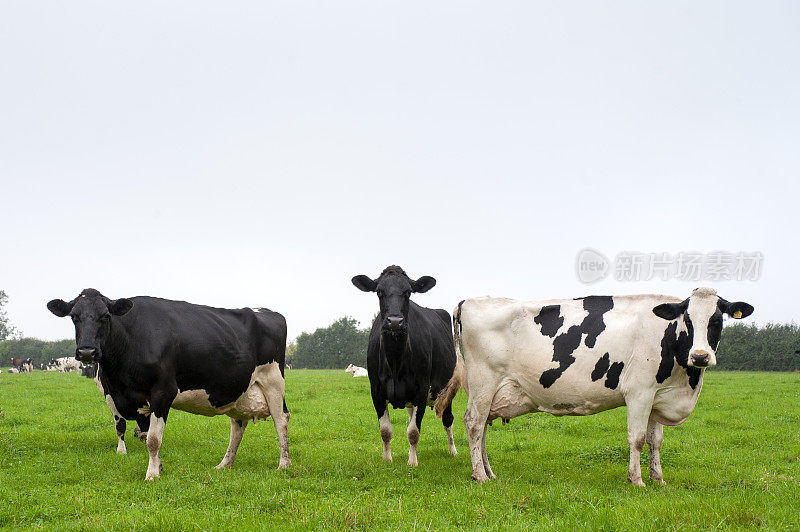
{"x": 262, "y": 153}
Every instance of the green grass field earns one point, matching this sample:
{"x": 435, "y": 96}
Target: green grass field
{"x": 734, "y": 464}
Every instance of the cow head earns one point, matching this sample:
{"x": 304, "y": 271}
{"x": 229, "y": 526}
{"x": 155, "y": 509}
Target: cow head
{"x": 394, "y": 289}
{"x": 702, "y": 313}
{"x": 91, "y": 312}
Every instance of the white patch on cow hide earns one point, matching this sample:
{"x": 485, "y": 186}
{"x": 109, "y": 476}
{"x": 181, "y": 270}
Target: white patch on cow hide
{"x": 252, "y": 404}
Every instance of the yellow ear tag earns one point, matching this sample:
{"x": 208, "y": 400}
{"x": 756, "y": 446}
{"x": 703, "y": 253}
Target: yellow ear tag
{"x": 737, "y": 314}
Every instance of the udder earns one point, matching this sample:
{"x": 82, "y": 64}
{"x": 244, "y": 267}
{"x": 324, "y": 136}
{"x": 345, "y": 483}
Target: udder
{"x": 510, "y": 401}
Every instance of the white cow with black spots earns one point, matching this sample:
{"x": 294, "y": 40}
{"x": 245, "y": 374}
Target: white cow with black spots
{"x": 582, "y": 356}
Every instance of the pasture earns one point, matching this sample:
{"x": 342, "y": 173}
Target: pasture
{"x": 734, "y": 464}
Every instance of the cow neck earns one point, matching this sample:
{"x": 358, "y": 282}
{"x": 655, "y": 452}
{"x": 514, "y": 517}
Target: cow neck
{"x": 114, "y": 346}
{"x": 394, "y": 348}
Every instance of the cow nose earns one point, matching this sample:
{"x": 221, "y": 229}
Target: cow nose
{"x": 85, "y": 353}
{"x": 700, "y": 358}
{"x": 395, "y": 322}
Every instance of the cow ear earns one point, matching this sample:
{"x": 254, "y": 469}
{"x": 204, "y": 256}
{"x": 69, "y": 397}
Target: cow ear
{"x": 424, "y": 283}
{"x": 364, "y": 283}
{"x": 670, "y": 311}
{"x": 120, "y": 306}
{"x": 59, "y": 307}
{"x": 738, "y": 309}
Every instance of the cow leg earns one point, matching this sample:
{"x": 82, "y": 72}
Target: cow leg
{"x": 485, "y": 456}
{"x": 154, "y": 437}
{"x": 655, "y": 435}
{"x": 382, "y": 409}
{"x": 280, "y": 416}
{"x": 413, "y": 434}
{"x": 475, "y": 419}
{"x": 638, "y": 415}
{"x": 160, "y": 403}
{"x": 447, "y": 421}
{"x": 237, "y": 431}
{"x": 119, "y": 426}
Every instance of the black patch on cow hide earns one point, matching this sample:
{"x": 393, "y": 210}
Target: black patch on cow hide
{"x": 675, "y": 348}
{"x": 566, "y": 343}
{"x": 610, "y": 371}
{"x": 612, "y": 378}
{"x": 600, "y": 368}
{"x": 550, "y": 319}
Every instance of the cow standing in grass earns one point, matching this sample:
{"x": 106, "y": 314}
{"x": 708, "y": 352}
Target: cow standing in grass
{"x": 155, "y": 354}
{"x": 410, "y": 355}
{"x": 582, "y": 356}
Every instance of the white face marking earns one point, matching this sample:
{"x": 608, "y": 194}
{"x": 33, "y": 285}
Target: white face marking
{"x": 702, "y": 306}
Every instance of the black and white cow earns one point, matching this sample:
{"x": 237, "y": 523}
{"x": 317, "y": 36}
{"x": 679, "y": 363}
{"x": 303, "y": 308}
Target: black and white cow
{"x": 156, "y": 354}
{"x": 410, "y": 356}
{"x": 582, "y": 356}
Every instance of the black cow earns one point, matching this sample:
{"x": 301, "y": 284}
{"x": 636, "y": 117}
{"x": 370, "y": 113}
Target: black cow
{"x": 155, "y": 354}
{"x": 410, "y": 356}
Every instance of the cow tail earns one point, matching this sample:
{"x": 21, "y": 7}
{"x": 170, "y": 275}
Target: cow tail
{"x": 448, "y": 393}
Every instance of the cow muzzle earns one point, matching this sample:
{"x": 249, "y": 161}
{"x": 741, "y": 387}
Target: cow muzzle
{"x": 700, "y": 359}
{"x": 395, "y": 325}
{"x": 87, "y": 354}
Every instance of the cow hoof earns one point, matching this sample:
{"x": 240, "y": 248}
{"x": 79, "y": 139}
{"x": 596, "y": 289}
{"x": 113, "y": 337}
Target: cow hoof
{"x": 122, "y": 450}
{"x": 223, "y": 465}
{"x": 284, "y": 464}
{"x": 150, "y": 476}
{"x": 387, "y": 457}
{"x": 412, "y": 462}
{"x": 637, "y": 482}
{"x": 480, "y": 479}
{"x": 454, "y": 451}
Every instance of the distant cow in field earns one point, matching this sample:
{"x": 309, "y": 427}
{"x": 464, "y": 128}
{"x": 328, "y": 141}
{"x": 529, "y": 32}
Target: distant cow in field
{"x": 357, "y": 371}
{"x": 26, "y": 366}
{"x": 65, "y": 364}
{"x": 582, "y": 356}
{"x": 410, "y": 355}
{"x": 156, "y": 354}
{"x": 16, "y": 362}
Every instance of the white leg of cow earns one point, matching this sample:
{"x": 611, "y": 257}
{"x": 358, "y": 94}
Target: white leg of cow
{"x": 154, "y": 436}
{"x": 655, "y": 435}
{"x": 237, "y": 431}
{"x": 413, "y": 436}
{"x": 638, "y": 415}
{"x": 281, "y": 420}
{"x": 450, "y": 443}
{"x": 386, "y": 434}
{"x": 485, "y": 456}
{"x": 119, "y": 426}
{"x": 475, "y": 419}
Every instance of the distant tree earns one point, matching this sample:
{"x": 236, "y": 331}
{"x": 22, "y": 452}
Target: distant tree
{"x": 773, "y": 347}
{"x": 336, "y": 346}
{"x": 291, "y": 349}
{"x": 6, "y": 329}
